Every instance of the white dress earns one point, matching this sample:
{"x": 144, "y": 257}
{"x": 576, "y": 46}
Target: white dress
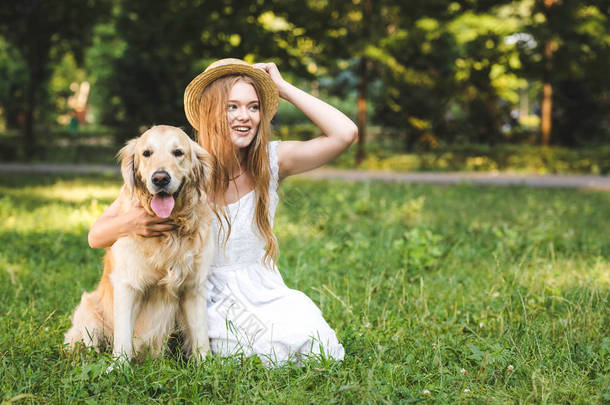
{"x": 250, "y": 309}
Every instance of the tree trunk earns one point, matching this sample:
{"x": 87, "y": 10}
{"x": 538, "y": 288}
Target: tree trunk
{"x": 367, "y": 11}
{"x": 546, "y": 111}
{"x": 362, "y": 87}
{"x": 29, "y": 137}
{"x": 524, "y": 109}
{"x": 547, "y": 95}
{"x": 494, "y": 125}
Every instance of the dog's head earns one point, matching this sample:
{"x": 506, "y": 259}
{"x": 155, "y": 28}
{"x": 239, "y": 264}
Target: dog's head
{"x": 164, "y": 169}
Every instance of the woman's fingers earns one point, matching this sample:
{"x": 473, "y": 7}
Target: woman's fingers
{"x": 156, "y": 230}
{"x": 261, "y": 66}
{"x": 163, "y": 227}
{"x": 153, "y": 219}
{"x": 271, "y": 69}
{"x": 151, "y": 225}
{"x": 156, "y": 224}
{"x": 264, "y": 67}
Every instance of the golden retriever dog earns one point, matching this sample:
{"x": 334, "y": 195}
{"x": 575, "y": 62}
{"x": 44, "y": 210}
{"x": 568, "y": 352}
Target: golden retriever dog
{"x": 151, "y": 285}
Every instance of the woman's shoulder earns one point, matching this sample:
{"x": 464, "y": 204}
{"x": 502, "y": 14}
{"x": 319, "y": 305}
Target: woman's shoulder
{"x": 272, "y": 146}
{"x": 273, "y": 161}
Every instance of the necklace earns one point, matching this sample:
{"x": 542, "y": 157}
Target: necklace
{"x": 241, "y": 171}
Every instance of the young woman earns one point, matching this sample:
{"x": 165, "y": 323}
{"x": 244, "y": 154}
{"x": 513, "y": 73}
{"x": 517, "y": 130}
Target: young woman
{"x": 250, "y": 309}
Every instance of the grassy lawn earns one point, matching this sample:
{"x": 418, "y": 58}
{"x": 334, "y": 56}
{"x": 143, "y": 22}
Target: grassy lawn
{"x": 439, "y": 294}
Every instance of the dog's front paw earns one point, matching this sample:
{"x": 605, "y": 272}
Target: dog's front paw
{"x": 118, "y": 364}
{"x": 200, "y": 354}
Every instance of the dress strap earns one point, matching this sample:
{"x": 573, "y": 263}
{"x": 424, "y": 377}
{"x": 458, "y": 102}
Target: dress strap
{"x": 274, "y": 164}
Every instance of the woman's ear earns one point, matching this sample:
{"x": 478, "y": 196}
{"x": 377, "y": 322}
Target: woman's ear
{"x": 202, "y": 168}
{"x": 129, "y": 162}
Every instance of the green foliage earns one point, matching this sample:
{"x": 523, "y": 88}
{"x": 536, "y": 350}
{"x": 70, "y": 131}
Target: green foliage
{"x": 443, "y": 294}
{"x": 450, "y": 76}
{"x": 432, "y": 72}
{"x": 484, "y": 158}
{"x": 96, "y": 145}
{"x": 420, "y": 81}
{"x": 421, "y": 247}
{"x": 162, "y": 46}
{"x": 577, "y": 35}
{"x": 106, "y": 50}
{"x": 12, "y": 69}
{"x": 42, "y": 32}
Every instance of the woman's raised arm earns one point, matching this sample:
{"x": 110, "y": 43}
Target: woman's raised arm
{"x": 339, "y": 131}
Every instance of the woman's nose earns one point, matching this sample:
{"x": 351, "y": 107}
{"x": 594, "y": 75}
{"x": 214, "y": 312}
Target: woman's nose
{"x": 241, "y": 114}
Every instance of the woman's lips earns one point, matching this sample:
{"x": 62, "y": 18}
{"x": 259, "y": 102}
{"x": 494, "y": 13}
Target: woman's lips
{"x": 241, "y": 129}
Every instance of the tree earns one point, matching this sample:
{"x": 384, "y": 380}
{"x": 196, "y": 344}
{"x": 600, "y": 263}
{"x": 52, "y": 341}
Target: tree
{"x": 165, "y": 44}
{"x": 345, "y": 34}
{"x": 446, "y": 74}
{"x": 549, "y": 48}
{"x": 571, "y": 57}
{"x": 486, "y": 84}
{"x": 411, "y": 47}
{"x": 14, "y": 74}
{"x": 419, "y": 81}
{"x": 35, "y": 28}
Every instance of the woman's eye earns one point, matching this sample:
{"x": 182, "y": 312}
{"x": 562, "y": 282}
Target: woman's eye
{"x": 231, "y": 107}
{"x": 254, "y": 107}
{"x": 146, "y": 153}
{"x": 178, "y": 153}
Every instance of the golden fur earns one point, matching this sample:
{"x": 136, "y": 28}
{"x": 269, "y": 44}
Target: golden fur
{"x": 150, "y": 285}
{"x": 214, "y": 136}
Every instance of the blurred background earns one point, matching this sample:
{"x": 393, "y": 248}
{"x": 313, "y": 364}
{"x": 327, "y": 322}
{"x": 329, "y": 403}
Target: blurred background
{"x": 473, "y": 85}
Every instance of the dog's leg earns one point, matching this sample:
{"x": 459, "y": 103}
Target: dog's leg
{"x": 86, "y": 326}
{"x": 194, "y": 311}
{"x": 125, "y": 308}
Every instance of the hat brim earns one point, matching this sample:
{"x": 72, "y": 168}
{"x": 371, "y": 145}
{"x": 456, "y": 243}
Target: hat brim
{"x": 192, "y": 93}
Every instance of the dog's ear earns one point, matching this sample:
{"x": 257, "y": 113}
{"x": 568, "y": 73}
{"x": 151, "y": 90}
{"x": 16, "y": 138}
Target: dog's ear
{"x": 202, "y": 167}
{"x": 129, "y": 161}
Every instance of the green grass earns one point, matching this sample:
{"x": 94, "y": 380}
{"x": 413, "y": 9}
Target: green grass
{"x": 509, "y": 284}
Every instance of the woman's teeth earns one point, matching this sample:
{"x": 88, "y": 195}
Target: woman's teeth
{"x": 242, "y": 129}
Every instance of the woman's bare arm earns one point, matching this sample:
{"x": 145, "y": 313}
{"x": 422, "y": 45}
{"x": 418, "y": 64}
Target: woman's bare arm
{"x": 112, "y": 225}
{"x": 339, "y": 131}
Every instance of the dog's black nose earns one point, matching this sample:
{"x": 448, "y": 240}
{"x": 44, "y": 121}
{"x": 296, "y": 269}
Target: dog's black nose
{"x": 161, "y": 178}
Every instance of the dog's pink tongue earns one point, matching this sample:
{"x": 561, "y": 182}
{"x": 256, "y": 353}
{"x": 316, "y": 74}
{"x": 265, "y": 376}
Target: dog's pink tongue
{"x": 162, "y": 205}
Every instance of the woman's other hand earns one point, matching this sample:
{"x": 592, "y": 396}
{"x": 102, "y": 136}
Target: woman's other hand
{"x": 271, "y": 69}
{"x": 144, "y": 224}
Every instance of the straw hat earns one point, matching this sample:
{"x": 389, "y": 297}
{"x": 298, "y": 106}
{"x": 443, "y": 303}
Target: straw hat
{"x": 223, "y": 67}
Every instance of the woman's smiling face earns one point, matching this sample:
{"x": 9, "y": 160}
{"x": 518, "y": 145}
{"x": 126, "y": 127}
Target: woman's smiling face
{"x": 243, "y": 114}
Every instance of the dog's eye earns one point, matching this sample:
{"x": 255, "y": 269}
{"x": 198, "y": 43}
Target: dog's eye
{"x": 178, "y": 153}
{"x": 146, "y": 153}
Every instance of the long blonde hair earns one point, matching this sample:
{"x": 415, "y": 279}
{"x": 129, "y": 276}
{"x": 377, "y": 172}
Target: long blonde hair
{"x": 214, "y": 135}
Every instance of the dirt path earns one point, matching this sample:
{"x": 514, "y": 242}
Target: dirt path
{"x": 500, "y": 179}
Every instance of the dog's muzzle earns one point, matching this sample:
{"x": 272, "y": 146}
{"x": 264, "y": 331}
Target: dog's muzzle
{"x": 163, "y": 202}
{"x": 161, "y": 179}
